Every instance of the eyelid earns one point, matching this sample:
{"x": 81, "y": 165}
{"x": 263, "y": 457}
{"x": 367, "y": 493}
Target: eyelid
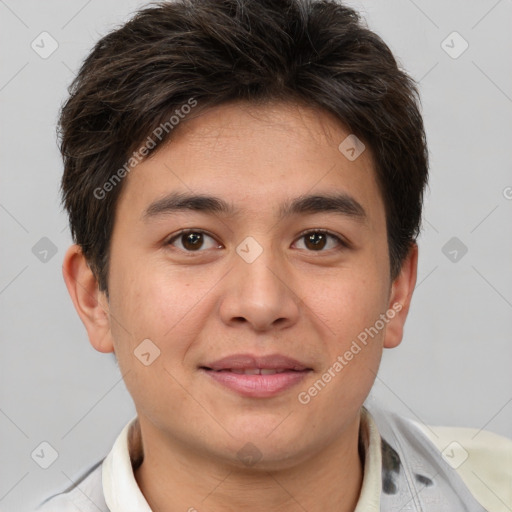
{"x": 342, "y": 241}
{"x": 186, "y": 231}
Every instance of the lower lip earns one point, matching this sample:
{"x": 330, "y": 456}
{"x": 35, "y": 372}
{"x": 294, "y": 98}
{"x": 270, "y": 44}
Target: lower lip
{"x": 258, "y": 386}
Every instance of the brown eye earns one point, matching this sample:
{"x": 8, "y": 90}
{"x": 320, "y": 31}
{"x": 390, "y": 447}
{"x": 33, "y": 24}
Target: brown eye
{"x": 315, "y": 240}
{"x": 318, "y": 240}
{"x": 192, "y": 241}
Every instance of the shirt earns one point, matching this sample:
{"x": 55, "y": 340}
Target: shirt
{"x": 456, "y": 464}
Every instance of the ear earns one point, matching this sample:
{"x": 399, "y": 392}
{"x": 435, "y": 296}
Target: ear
{"x": 90, "y": 304}
{"x": 400, "y": 298}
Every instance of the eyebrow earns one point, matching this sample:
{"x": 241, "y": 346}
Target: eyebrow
{"x": 339, "y": 203}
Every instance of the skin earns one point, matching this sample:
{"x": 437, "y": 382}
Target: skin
{"x": 294, "y": 300}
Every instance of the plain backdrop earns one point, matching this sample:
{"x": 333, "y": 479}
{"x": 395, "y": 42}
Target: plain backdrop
{"x": 454, "y": 365}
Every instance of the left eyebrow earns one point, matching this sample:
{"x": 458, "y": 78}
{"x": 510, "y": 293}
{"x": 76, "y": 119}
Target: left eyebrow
{"x": 340, "y": 203}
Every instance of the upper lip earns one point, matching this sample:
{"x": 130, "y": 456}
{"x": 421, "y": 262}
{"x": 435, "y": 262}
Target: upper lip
{"x": 248, "y": 361}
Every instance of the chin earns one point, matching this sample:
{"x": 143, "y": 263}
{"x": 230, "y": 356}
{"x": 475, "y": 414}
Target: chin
{"x": 259, "y": 448}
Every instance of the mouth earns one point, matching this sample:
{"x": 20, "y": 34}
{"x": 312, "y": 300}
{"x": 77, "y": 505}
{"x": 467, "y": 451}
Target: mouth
{"x": 257, "y": 377}
{"x": 253, "y": 371}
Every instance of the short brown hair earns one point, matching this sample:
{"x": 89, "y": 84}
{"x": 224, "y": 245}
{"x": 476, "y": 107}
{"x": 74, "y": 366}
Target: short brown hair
{"x": 316, "y": 52}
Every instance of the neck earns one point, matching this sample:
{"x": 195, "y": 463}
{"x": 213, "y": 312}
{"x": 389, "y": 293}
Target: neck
{"x": 175, "y": 479}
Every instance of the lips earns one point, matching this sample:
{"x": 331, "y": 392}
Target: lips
{"x": 256, "y": 377}
{"x": 256, "y": 371}
{"x": 245, "y": 363}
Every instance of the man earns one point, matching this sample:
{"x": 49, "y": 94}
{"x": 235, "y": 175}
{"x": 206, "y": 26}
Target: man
{"x": 244, "y": 181}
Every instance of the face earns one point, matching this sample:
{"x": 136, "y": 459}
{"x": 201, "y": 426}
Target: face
{"x": 267, "y": 282}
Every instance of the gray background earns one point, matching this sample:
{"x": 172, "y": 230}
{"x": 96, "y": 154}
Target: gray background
{"x": 453, "y": 367}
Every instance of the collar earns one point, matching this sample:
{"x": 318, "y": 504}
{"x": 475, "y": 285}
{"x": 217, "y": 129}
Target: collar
{"x": 122, "y": 494}
{"x": 369, "y": 498}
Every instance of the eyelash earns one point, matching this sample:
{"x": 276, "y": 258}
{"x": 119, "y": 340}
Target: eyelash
{"x": 341, "y": 242}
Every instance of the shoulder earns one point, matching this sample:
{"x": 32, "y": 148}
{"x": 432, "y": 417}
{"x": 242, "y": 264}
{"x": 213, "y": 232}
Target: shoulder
{"x": 84, "y": 495}
{"x": 481, "y": 458}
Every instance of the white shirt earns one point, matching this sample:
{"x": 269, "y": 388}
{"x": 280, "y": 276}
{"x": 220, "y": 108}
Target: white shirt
{"x": 487, "y": 472}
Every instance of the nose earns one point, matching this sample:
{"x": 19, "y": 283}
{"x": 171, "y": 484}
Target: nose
{"x": 260, "y": 294}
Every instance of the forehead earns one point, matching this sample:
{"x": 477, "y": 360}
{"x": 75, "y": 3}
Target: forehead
{"x": 256, "y": 158}
{"x": 241, "y": 121}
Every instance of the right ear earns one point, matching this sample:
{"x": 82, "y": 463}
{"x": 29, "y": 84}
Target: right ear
{"x": 90, "y": 303}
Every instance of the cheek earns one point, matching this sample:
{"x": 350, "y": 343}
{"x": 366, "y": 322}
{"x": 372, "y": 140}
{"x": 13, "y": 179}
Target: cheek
{"x": 353, "y": 345}
{"x": 161, "y": 304}
{"x": 349, "y": 304}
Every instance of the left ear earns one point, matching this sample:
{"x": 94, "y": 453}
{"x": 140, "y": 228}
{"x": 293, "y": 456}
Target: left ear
{"x": 400, "y": 298}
